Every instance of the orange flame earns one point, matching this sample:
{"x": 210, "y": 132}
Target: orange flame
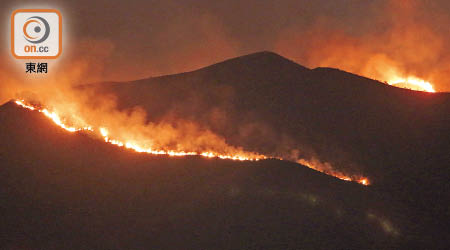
{"x": 244, "y": 156}
{"x": 364, "y": 181}
{"x": 359, "y": 179}
{"x": 54, "y": 117}
{"x": 413, "y": 83}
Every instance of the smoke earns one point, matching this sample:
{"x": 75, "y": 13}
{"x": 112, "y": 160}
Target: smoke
{"x": 72, "y": 69}
{"x": 402, "y": 42}
{"x": 88, "y": 60}
{"x": 131, "y": 128}
{"x": 63, "y": 91}
{"x": 190, "y": 43}
{"x": 378, "y": 39}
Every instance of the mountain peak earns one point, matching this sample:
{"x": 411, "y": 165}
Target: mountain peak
{"x": 264, "y": 66}
{"x": 263, "y": 55}
{"x": 261, "y": 59}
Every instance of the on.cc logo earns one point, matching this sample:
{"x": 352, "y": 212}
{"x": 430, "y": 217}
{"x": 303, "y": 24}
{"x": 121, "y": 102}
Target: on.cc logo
{"x": 40, "y": 28}
{"x": 36, "y": 34}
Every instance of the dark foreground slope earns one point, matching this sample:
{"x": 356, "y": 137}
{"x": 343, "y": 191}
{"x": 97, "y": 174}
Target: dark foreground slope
{"x": 61, "y": 190}
{"x": 399, "y": 138}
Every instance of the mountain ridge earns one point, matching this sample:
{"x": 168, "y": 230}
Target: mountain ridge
{"x": 396, "y": 137}
{"x": 67, "y": 189}
{"x": 260, "y": 60}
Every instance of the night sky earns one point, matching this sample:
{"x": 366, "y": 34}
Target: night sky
{"x": 126, "y": 40}
{"x": 91, "y": 187}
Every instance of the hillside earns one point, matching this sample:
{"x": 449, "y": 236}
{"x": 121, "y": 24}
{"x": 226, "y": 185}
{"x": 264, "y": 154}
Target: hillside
{"x": 399, "y": 138}
{"x": 68, "y": 190}
{"x": 71, "y": 190}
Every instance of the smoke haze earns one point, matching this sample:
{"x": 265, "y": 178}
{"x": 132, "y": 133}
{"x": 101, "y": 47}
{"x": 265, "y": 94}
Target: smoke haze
{"x": 124, "y": 41}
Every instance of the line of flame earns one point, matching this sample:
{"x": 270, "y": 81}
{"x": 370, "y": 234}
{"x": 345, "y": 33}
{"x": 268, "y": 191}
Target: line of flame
{"x": 416, "y": 83}
{"x": 103, "y": 132}
{"x": 359, "y": 179}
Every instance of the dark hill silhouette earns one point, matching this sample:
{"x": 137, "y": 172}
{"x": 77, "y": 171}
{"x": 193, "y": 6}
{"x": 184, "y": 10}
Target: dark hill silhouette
{"x": 62, "y": 190}
{"x": 398, "y": 138}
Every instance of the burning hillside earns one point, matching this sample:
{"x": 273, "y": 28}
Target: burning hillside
{"x": 238, "y": 154}
{"x": 56, "y": 184}
{"x": 412, "y": 83}
{"x": 404, "y": 46}
{"x": 292, "y": 124}
{"x": 78, "y": 149}
{"x": 234, "y": 112}
{"x": 63, "y": 123}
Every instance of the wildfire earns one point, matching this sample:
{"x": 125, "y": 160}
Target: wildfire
{"x": 137, "y": 148}
{"x": 413, "y": 83}
{"x": 54, "y": 117}
{"x": 327, "y": 170}
{"x": 104, "y": 133}
{"x": 364, "y": 181}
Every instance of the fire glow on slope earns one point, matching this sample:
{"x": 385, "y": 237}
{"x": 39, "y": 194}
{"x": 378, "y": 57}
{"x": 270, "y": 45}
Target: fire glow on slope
{"x": 327, "y": 170}
{"x": 242, "y": 156}
{"x": 412, "y": 83}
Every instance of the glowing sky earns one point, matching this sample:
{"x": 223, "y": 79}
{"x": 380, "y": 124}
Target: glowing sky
{"x": 124, "y": 40}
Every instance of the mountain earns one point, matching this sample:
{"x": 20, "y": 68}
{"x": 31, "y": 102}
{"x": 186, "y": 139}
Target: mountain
{"x": 62, "y": 190}
{"x": 399, "y": 138}
{"x": 69, "y": 190}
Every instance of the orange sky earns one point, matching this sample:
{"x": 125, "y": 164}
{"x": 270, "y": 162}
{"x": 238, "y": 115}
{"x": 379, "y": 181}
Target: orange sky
{"x": 137, "y": 39}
